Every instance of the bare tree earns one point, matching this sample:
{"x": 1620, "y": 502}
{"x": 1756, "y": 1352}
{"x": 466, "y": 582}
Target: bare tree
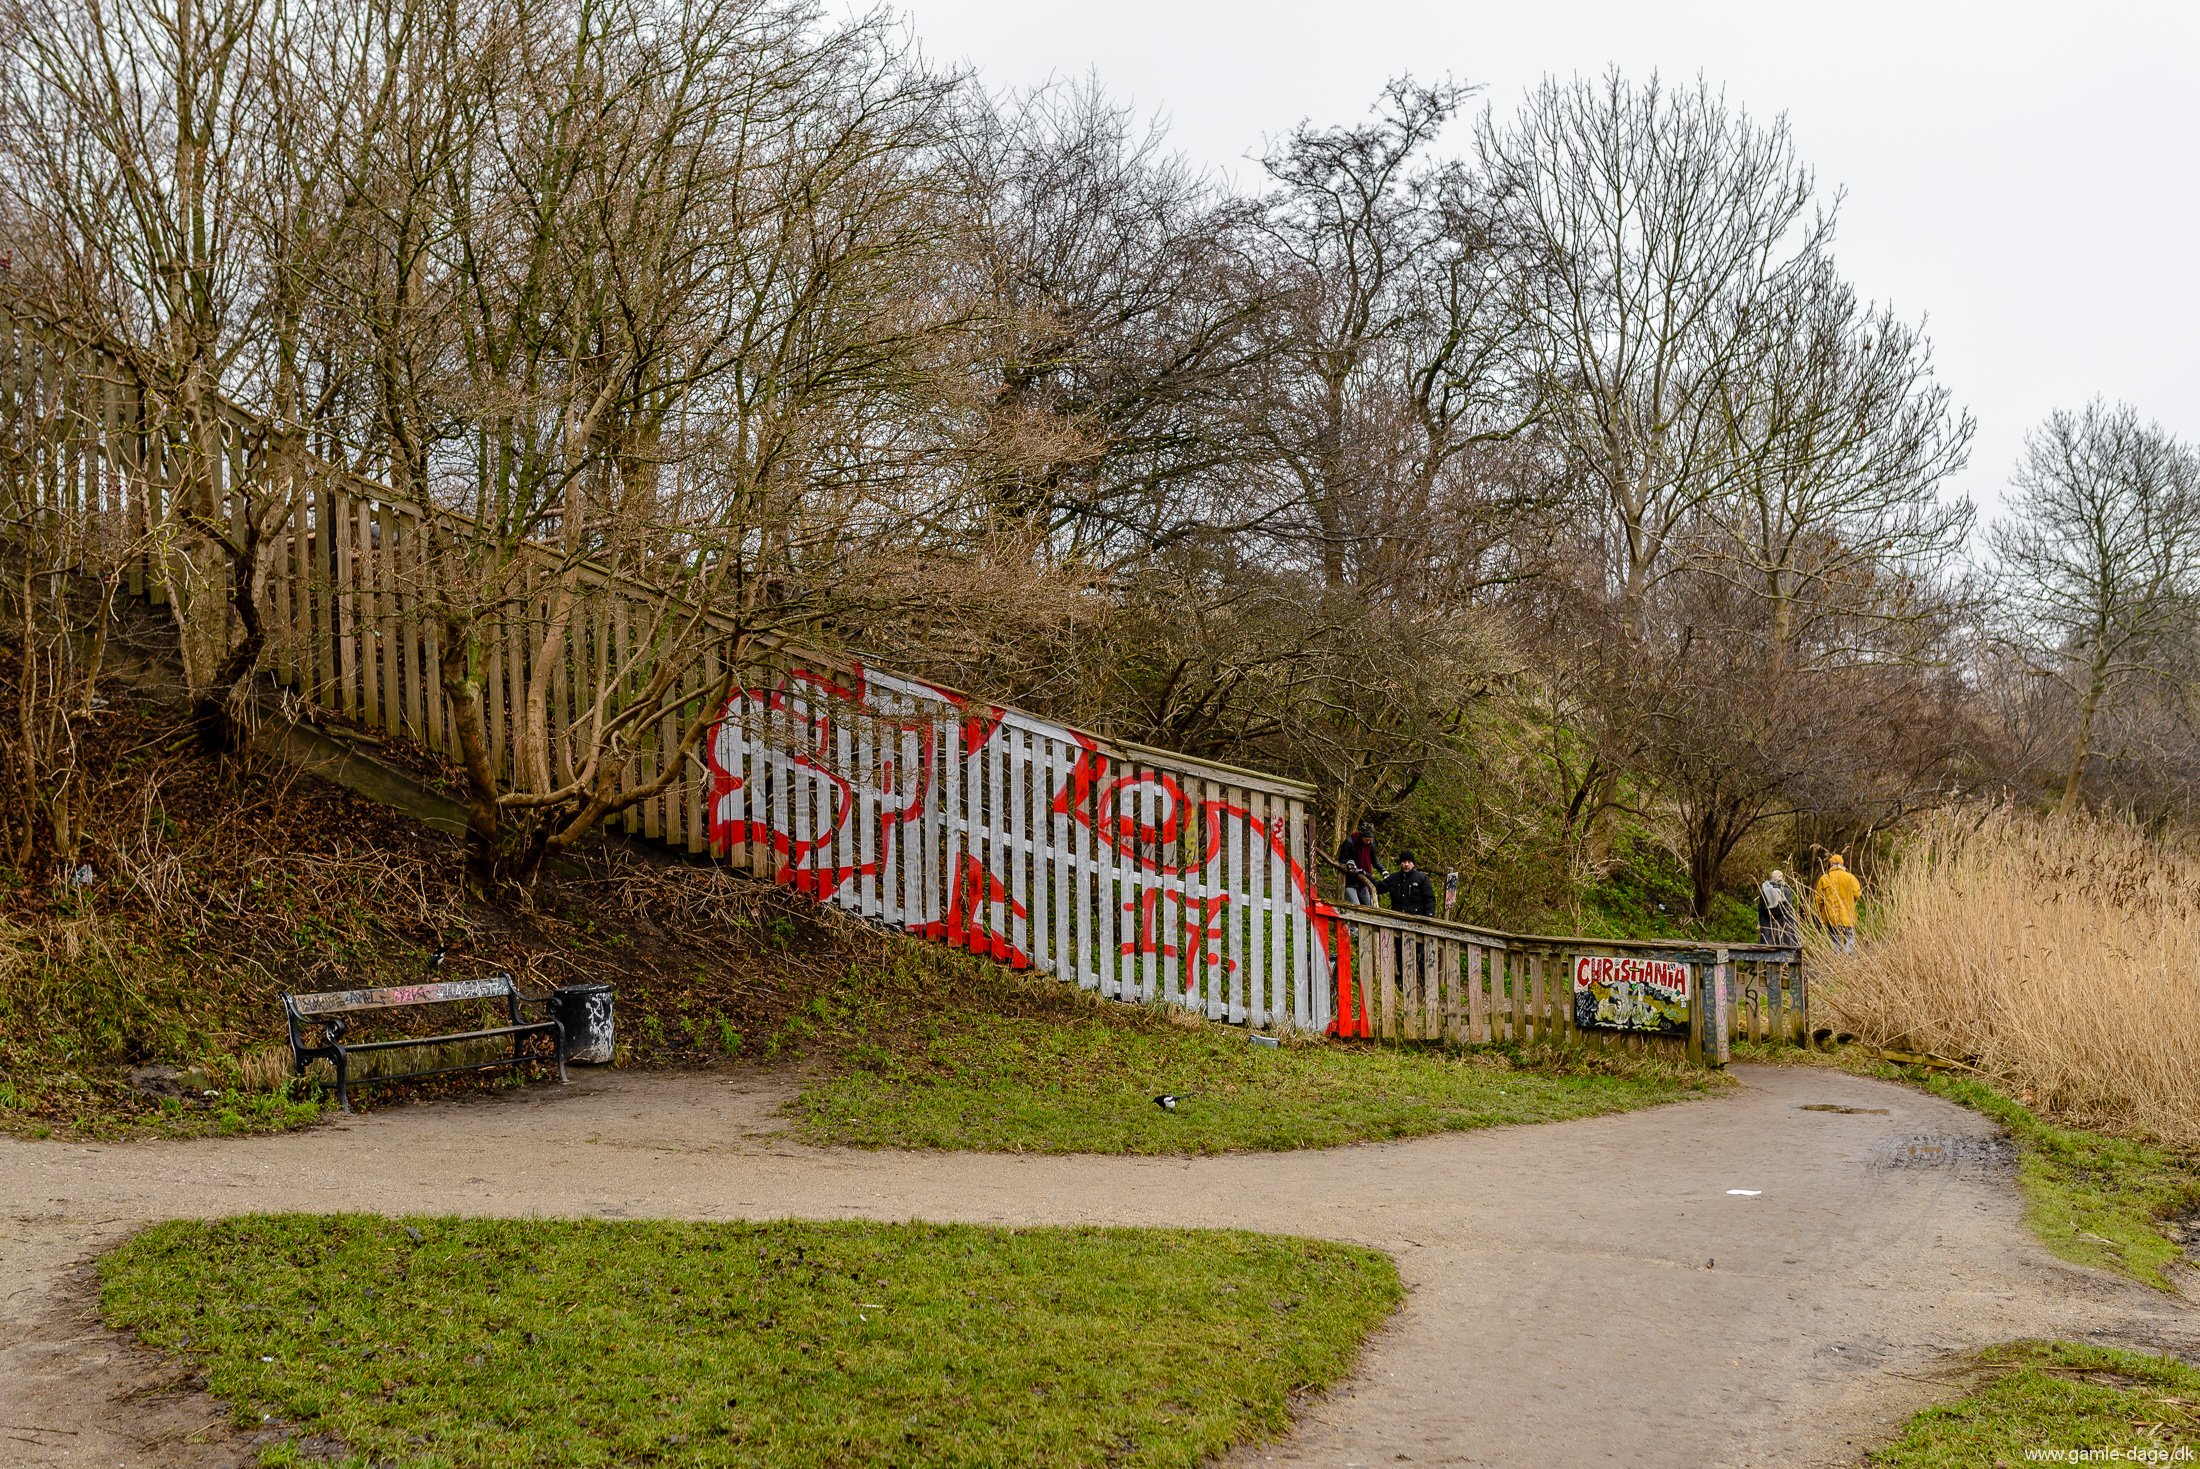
{"x": 1400, "y": 377}
{"x": 2099, "y": 553}
{"x": 646, "y": 295}
{"x": 1115, "y": 300}
{"x": 62, "y": 564}
{"x": 164, "y": 188}
{"x": 1841, "y": 439}
{"x": 1656, "y": 224}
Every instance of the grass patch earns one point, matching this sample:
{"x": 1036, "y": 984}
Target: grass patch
{"x": 2059, "y": 1397}
{"x": 2092, "y": 1198}
{"x": 492, "y": 1342}
{"x": 1022, "y": 1065}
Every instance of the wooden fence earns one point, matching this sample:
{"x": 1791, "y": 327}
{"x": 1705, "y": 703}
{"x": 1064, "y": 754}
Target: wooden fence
{"x": 1134, "y": 872}
{"x": 1401, "y": 978}
{"x": 1138, "y": 873}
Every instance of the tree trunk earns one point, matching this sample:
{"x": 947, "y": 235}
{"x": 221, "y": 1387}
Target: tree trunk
{"x": 470, "y": 723}
{"x": 2081, "y": 744}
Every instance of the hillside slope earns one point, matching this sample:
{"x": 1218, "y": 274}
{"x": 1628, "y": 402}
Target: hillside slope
{"x": 146, "y": 998}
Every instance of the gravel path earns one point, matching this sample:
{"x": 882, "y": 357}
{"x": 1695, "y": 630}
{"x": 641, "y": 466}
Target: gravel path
{"x": 1581, "y": 1293}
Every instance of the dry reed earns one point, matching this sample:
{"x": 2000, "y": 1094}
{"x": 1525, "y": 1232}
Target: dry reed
{"x": 2060, "y": 958}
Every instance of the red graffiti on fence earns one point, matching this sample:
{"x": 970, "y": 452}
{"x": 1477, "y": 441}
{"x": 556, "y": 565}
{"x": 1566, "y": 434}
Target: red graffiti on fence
{"x": 976, "y": 889}
{"x": 782, "y": 783}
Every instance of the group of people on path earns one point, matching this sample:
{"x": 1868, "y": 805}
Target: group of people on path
{"x": 1833, "y": 899}
{"x": 1779, "y": 920}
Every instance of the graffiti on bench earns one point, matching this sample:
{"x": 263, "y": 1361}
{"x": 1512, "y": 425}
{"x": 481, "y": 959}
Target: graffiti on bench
{"x": 336, "y": 1001}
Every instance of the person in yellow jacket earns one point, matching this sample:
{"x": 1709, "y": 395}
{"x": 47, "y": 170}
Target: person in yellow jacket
{"x": 1837, "y": 893}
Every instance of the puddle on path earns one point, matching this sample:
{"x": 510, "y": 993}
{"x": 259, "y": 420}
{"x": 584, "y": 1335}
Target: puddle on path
{"x": 1970, "y": 1156}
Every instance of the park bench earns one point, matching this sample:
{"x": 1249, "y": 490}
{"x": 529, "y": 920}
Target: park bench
{"x": 331, "y": 1012}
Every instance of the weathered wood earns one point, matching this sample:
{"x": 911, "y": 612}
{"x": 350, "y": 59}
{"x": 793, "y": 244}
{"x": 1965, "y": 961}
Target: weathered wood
{"x": 334, "y": 1002}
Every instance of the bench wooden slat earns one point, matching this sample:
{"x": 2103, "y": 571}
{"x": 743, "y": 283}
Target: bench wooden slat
{"x": 539, "y": 1027}
{"x": 335, "y": 1002}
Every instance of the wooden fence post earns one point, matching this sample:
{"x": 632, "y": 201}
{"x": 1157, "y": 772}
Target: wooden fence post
{"x": 1723, "y": 1001}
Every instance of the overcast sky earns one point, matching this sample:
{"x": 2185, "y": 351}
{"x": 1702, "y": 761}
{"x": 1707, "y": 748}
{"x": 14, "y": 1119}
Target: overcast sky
{"x": 2025, "y": 175}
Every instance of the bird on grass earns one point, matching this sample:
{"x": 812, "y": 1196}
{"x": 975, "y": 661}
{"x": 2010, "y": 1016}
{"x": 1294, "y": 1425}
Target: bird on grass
{"x": 1167, "y": 1100}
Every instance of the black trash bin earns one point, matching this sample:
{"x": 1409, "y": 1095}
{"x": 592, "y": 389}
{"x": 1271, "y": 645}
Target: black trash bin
{"x": 585, "y": 1012}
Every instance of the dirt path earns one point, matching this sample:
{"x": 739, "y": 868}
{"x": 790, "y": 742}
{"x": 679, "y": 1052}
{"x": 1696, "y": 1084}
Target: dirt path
{"x": 1582, "y": 1293}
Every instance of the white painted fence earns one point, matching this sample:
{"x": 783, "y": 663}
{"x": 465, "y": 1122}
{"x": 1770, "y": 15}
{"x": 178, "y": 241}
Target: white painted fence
{"x": 1139, "y": 874}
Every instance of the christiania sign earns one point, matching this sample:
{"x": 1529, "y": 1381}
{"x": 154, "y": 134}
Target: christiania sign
{"x": 1613, "y": 992}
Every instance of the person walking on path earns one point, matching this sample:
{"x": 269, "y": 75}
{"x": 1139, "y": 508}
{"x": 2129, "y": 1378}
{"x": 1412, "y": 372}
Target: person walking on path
{"x": 1410, "y": 890}
{"x": 1776, "y": 921}
{"x": 1357, "y": 858}
{"x": 1838, "y": 891}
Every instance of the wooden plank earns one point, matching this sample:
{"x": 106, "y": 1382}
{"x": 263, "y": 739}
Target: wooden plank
{"x": 921, "y": 750}
{"x": 379, "y": 665}
{"x": 1169, "y": 908}
{"x": 1472, "y": 984}
{"x": 608, "y": 689}
{"x": 1259, "y": 921}
{"x": 870, "y": 900}
{"x": 1432, "y": 988}
{"x": 1516, "y": 982}
{"x": 979, "y": 837}
{"x": 436, "y": 568}
{"x": 1082, "y": 905}
{"x": 695, "y": 781}
{"x": 1411, "y": 972}
{"x": 1237, "y": 912}
{"x": 334, "y": 1002}
{"x": 1016, "y": 761}
{"x": 777, "y": 733}
{"x": 1061, "y": 760}
{"x": 345, "y": 599}
{"x": 1722, "y": 989}
{"x": 1385, "y": 946}
{"x": 952, "y": 811}
{"x": 1798, "y": 1005}
{"x": 1305, "y": 1010}
{"x": 1000, "y": 856}
{"x": 1216, "y": 911}
{"x": 517, "y": 622}
{"x": 912, "y": 821}
{"x": 304, "y": 659}
{"x": 1450, "y": 959}
{"x": 1278, "y": 963}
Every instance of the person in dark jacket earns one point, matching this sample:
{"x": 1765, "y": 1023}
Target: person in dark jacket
{"x": 1410, "y": 890}
{"x": 1356, "y": 858}
{"x": 1776, "y": 919}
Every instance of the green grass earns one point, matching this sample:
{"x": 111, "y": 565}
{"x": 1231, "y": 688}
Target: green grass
{"x": 2092, "y": 1198}
{"x": 1034, "y": 1066}
{"x": 2059, "y": 1397}
{"x": 454, "y": 1342}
